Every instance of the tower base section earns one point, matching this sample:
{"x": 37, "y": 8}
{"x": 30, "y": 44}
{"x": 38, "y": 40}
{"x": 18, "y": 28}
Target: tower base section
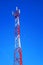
{"x": 18, "y": 56}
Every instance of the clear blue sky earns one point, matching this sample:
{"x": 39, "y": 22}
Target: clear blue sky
{"x": 31, "y": 20}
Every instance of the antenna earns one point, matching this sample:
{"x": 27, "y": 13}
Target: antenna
{"x": 18, "y": 49}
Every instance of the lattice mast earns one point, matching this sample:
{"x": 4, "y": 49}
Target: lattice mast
{"x": 18, "y": 50}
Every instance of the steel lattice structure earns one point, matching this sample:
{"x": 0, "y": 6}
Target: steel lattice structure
{"x": 18, "y": 50}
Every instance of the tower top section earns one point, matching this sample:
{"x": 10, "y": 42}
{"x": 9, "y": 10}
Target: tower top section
{"x": 16, "y": 13}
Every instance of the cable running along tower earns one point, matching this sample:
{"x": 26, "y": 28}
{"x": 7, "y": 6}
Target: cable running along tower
{"x": 18, "y": 50}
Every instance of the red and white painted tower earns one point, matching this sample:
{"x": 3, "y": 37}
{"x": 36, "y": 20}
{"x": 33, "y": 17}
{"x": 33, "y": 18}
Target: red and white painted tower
{"x": 18, "y": 50}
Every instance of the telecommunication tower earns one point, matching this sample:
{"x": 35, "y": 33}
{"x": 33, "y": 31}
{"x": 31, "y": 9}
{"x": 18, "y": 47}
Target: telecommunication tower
{"x": 18, "y": 50}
